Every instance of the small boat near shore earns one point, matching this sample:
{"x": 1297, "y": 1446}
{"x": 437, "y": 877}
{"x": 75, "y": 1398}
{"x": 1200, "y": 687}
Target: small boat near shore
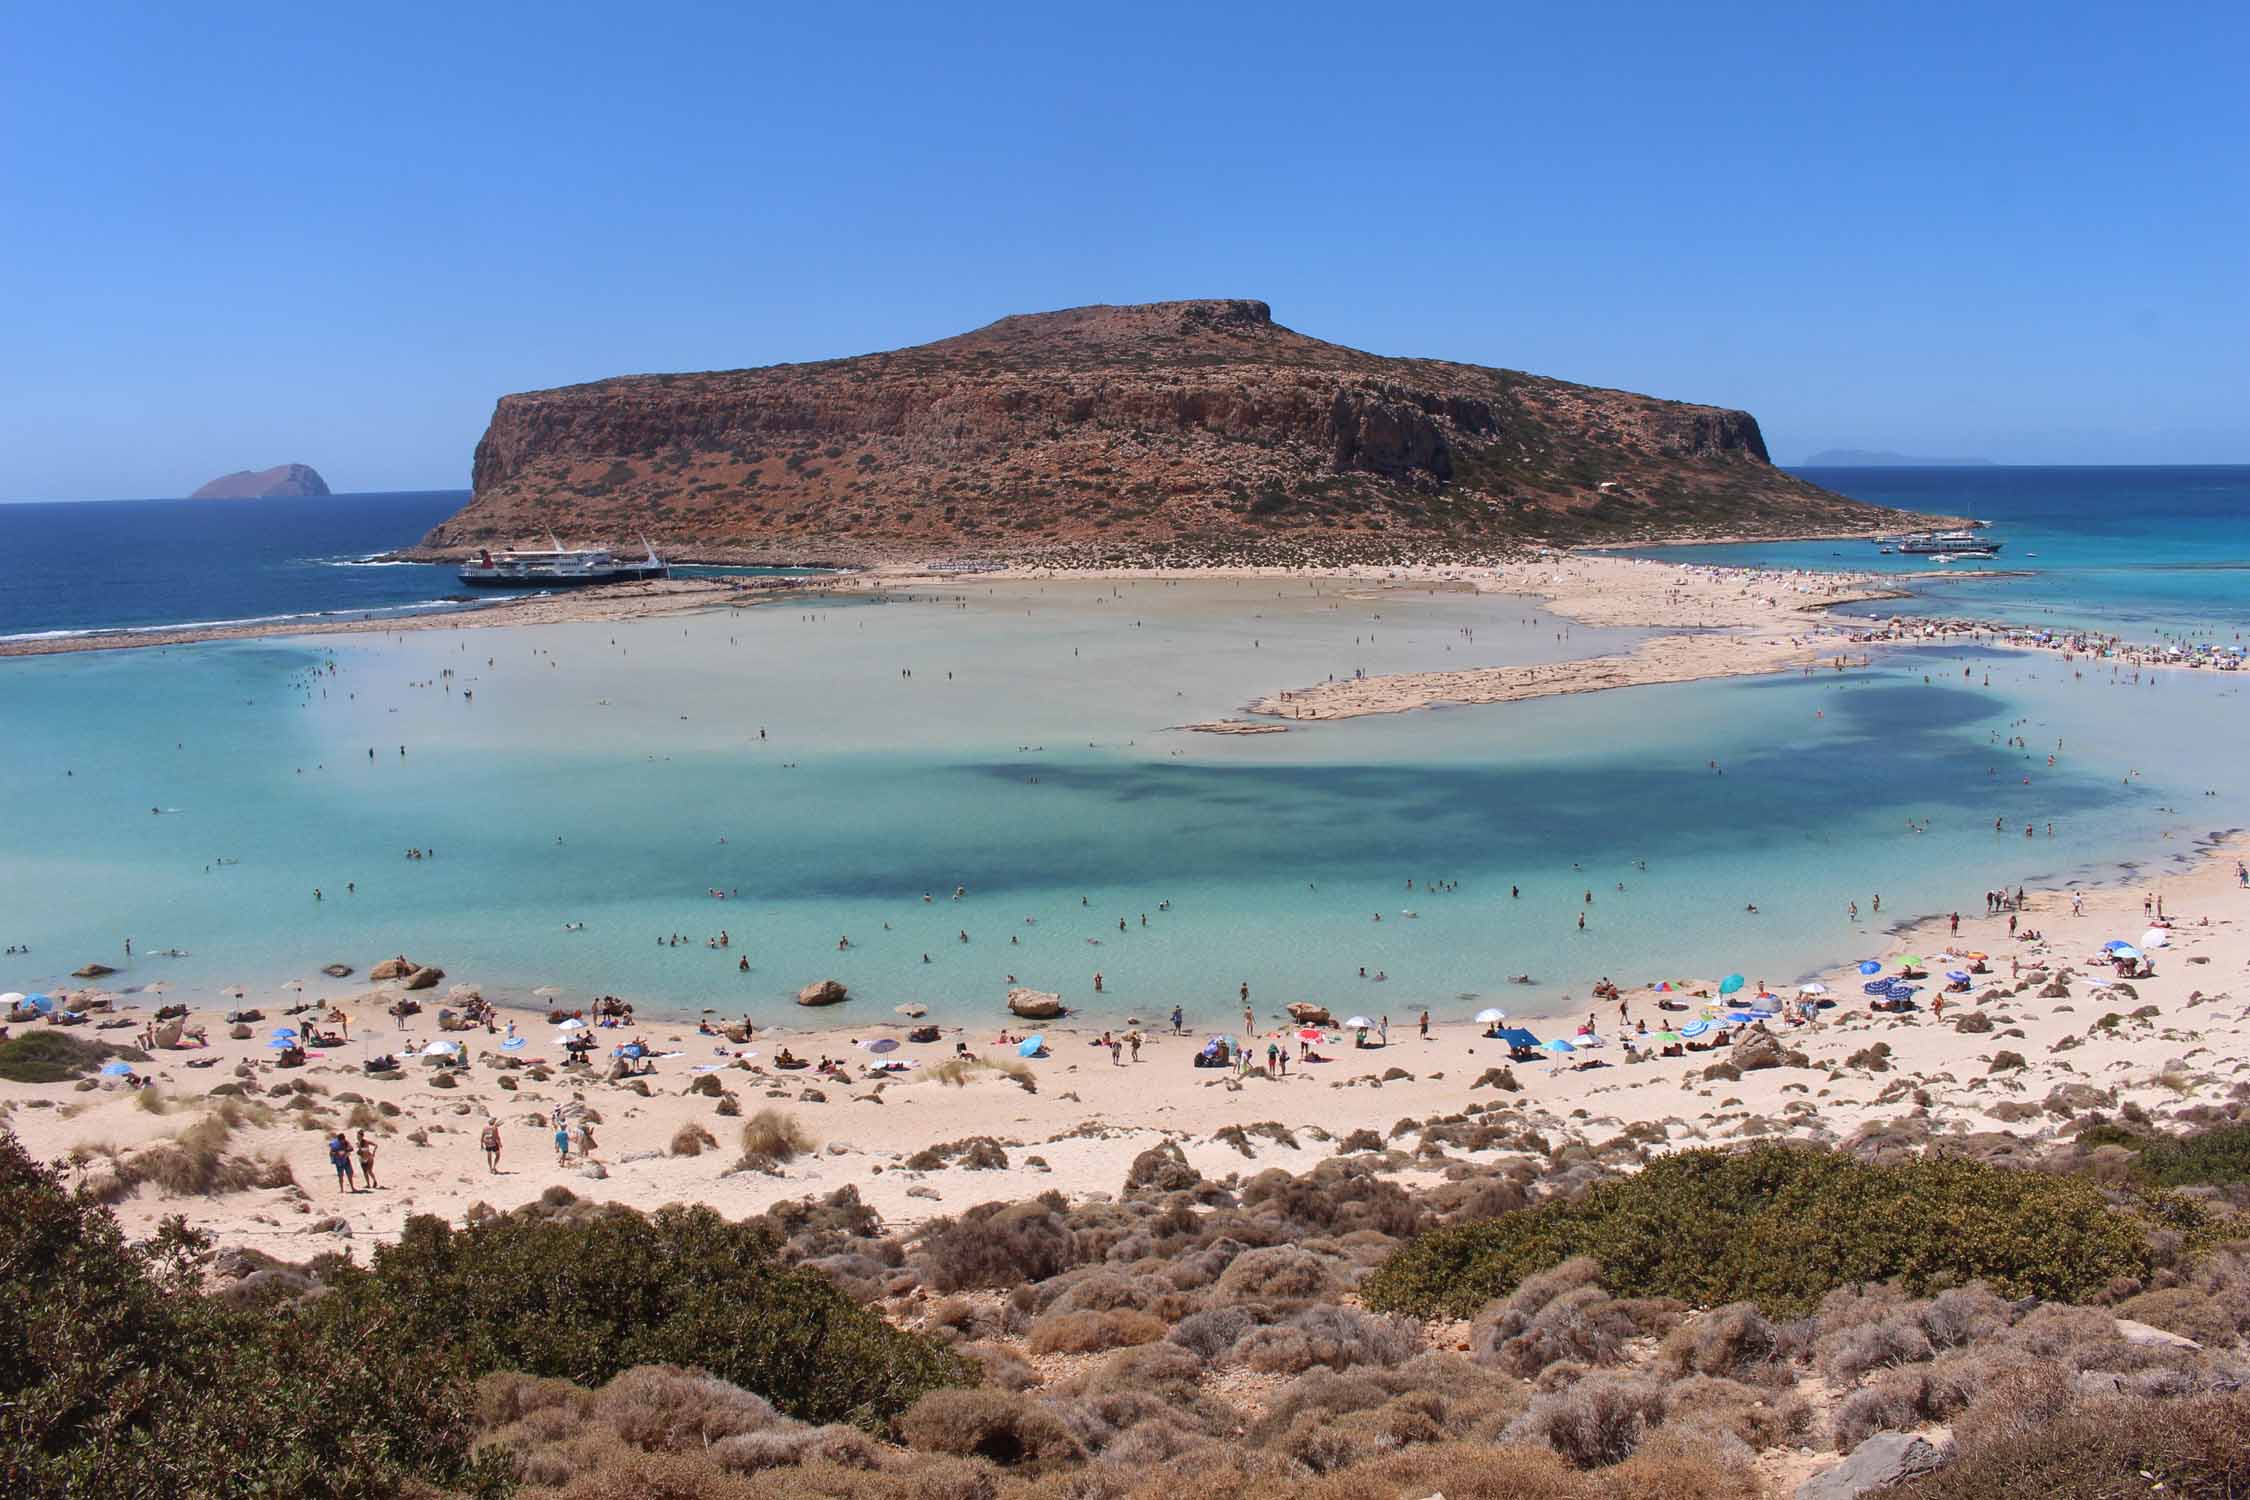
{"x": 1931, "y": 542}
{"x": 559, "y": 567}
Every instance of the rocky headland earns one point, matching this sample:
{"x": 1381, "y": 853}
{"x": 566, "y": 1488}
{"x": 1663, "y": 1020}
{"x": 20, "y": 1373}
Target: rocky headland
{"x": 1198, "y": 431}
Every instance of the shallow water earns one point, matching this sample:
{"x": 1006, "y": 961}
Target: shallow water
{"x": 614, "y": 775}
{"x": 2139, "y": 552}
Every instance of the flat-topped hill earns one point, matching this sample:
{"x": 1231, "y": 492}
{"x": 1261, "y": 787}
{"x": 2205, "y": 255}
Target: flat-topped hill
{"x": 1173, "y": 429}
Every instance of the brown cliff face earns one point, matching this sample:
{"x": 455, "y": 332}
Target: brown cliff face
{"x": 1174, "y": 429}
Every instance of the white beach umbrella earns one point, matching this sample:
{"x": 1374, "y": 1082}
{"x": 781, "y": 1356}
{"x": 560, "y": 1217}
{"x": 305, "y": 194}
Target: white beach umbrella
{"x": 2156, "y": 937}
{"x": 13, "y": 997}
{"x": 571, "y": 1024}
{"x": 880, "y": 1044}
{"x": 1490, "y": 1015}
{"x": 1357, "y": 1023}
{"x": 1815, "y": 988}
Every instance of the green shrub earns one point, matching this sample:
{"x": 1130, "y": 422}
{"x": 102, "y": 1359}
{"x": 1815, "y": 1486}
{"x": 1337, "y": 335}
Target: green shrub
{"x": 2218, "y": 1157}
{"x": 50, "y": 1056}
{"x": 586, "y": 1295}
{"x": 1779, "y": 1226}
{"x": 117, "y": 1378}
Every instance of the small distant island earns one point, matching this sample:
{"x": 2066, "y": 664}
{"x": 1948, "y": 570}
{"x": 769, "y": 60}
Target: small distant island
{"x": 256, "y": 484}
{"x": 1869, "y": 458}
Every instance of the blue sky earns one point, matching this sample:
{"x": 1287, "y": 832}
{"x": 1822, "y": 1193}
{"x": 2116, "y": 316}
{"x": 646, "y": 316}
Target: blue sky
{"x": 238, "y": 235}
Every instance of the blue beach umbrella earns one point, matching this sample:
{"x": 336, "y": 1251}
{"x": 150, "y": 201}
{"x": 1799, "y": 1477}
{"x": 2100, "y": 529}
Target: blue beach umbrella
{"x": 117, "y": 1070}
{"x": 1031, "y": 1046}
{"x": 1870, "y": 966}
{"x": 1695, "y": 1028}
{"x": 2109, "y": 947}
{"x": 511, "y": 1044}
{"x": 2124, "y": 950}
{"x": 1958, "y": 976}
{"x": 44, "y": 1004}
{"x": 1558, "y": 1046}
{"x": 1730, "y": 984}
{"x": 1516, "y": 1036}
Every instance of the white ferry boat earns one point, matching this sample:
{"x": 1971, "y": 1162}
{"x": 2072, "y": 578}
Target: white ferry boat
{"x": 558, "y": 567}
{"x": 1947, "y": 541}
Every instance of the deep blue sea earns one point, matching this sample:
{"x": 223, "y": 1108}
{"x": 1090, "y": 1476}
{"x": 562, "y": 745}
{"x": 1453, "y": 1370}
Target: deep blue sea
{"x": 2140, "y": 552}
{"x": 72, "y": 567}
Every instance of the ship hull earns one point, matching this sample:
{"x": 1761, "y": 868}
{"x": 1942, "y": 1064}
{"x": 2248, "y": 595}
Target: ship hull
{"x": 562, "y": 581}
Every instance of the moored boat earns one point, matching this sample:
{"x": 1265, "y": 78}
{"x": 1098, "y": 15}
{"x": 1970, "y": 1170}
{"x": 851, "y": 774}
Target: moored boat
{"x": 558, "y": 567}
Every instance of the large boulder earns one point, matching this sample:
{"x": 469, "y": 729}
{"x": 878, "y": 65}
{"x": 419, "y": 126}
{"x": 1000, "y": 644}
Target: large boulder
{"x": 425, "y": 978}
{"x": 1883, "y": 1460}
{"x": 1305, "y": 1013}
{"x": 822, "y": 992}
{"x": 91, "y": 971}
{"x": 1034, "y": 1005}
{"x": 393, "y": 968}
{"x": 1762, "y": 1049}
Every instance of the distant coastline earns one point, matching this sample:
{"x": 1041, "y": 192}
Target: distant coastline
{"x": 1876, "y": 458}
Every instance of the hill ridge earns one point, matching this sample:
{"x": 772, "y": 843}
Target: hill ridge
{"x": 1198, "y": 428}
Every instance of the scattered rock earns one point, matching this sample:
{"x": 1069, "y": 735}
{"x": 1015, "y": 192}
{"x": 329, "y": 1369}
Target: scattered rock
{"x": 337, "y": 971}
{"x": 822, "y": 992}
{"x": 393, "y": 968}
{"x": 595, "y": 1170}
{"x": 335, "y": 1224}
{"x": 1305, "y": 1013}
{"x": 1034, "y": 1005}
{"x": 425, "y": 978}
{"x": 1762, "y": 1049}
{"x": 1884, "y": 1459}
{"x": 2141, "y": 1333}
{"x": 91, "y": 971}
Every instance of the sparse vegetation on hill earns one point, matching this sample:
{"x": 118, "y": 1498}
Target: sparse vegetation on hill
{"x": 1688, "y": 1330}
{"x": 1180, "y": 432}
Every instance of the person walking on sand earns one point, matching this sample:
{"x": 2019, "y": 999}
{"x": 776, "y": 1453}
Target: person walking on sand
{"x": 586, "y": 1140}
{"x": 562, "y": 1145}
{"x": 490, "y": 1141}
{"x": 367, "y": 1160}
{"x": 340, "y": 1157}
{"x": 1425, "y": 1024}
{"x": 1116, "y": 1053}
{"x": 1179, "y": 1019}
{"x": 1133, "y": 1040}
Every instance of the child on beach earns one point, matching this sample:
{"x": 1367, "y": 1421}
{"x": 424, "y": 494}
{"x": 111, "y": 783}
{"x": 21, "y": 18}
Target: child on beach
{"x": 562, "y": 1145}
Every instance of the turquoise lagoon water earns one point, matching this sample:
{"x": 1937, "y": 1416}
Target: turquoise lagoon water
{"x": 2140, "y": 552}
{"x": 614, "y": 776}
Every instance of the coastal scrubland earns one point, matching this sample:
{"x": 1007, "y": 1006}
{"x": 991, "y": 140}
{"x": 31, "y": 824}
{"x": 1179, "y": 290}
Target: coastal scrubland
{"x": 2066, "y": 1321}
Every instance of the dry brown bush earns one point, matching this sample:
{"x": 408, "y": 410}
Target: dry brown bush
{"x": 692, "y": 1139}
{"x": 1093, "y": 1332}
{"x": 1279, "y": 1273}
{"x": 1214, "y": 1331}
{"x": 1736, "y": 1341}
{"x": 998, "y": 1426}
{"x": 2015, "y": 1400}
{"x": 1598, "y": 1421}
{"x": 1558, "y": 1315}
{"x": 774, "y": 1136}
{"x": 2105, "y": 1448}
{"x": 997, "y": 1244}
{"x": 663, "y": 1406}
{"x": 1848, "y": 1353}
{"x": 1758, "y": 1418}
